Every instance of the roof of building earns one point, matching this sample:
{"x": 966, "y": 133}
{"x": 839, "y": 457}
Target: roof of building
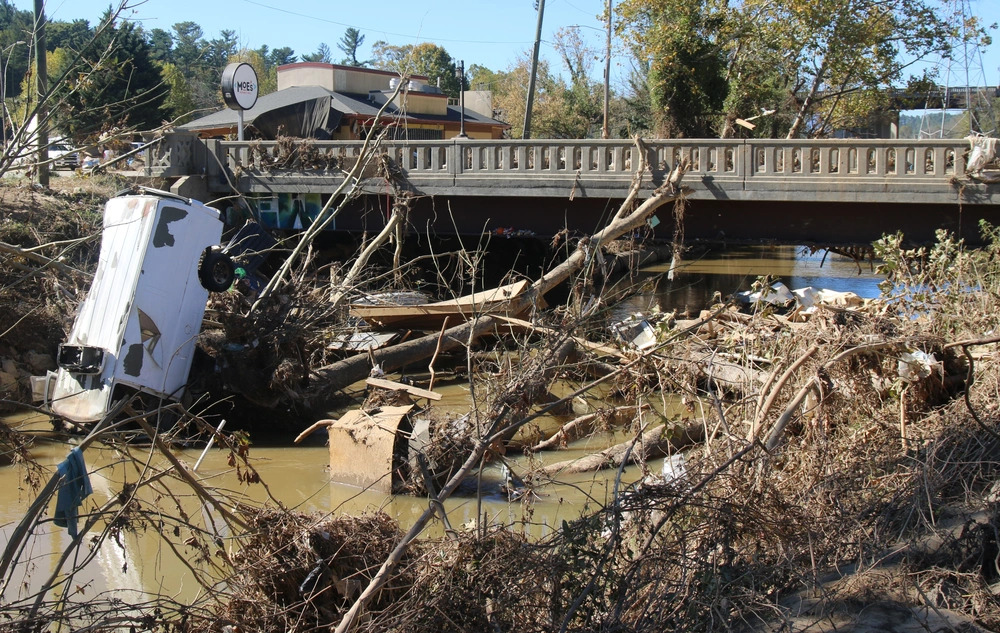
{"x": 360, "y": 69}
{"x": 304, "y": 109}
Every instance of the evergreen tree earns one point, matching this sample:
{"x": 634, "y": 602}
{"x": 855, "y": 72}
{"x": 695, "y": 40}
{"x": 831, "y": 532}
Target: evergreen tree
{"x": 280, "y": 56}
{"x": 161, "y": 45}
{"x": 118, "y": 85}
{"x": 220, "y": 50}
{"x": 15, "y": 37}
{"x": 200, "y": 61}
{"x": 189, "y": 48}
{"x": 349, "y": 45}
{"x": 69, "y": 35}
{"x": 322, "y": 55}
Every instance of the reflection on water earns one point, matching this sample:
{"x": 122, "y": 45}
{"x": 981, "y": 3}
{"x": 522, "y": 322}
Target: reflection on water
{"x": 298, "y": 475}
{"x": 702, "y": 274}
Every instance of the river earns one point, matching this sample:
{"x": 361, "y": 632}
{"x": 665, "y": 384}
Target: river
{"x": 298, "y": 477}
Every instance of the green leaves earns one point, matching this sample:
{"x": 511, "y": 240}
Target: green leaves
{"x": 112, "y": 83}
{"x": 818, "y": 64}
{"x": 425, "y": 59}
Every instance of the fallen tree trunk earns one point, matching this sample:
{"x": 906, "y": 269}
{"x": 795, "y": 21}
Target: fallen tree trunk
{"x": 332, "y": 378}
{"x": 582, "y": 425}
{"x": 657, "y": 442}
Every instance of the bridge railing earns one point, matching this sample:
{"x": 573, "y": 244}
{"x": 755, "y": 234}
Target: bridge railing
{"x": 726, "y": 162}
{"x": 855, "y": 158}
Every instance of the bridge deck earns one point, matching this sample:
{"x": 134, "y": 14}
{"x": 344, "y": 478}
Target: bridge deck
{"x": 735, "y": 180}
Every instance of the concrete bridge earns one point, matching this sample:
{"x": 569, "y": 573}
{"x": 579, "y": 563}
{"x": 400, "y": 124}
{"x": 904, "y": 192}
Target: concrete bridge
{"x": 827, "y": 191}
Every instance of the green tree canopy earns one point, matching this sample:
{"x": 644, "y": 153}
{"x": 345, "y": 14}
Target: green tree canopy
{"x": 161, "y": 45}
{"x": 267, "y": 73}
{"x": 429, "y": 60}
{"x": 278, "y": 56}
{"x": 811, "y": 65}
{"x": 15, "y": 37}
{"x": 687, "y": 60}
{"x": 117, "y": 85}
{"x": 552, "y": 115}
{"x": 72, "y": 36}
{"x": 179, "y": 105}
{"x": 189, "y": 47}
{"x": 584, "y": 97}
{"x": 322, "y": 55}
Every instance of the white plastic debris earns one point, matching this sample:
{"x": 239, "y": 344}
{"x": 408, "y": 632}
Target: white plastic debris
{"x": 635, "y": 331}
{"x": 984, "y": 151}
{"x": 840, "y": 299}
{"x": 917, "y": 365}
{"x": 674, "y": 467}
{"x": 809, "y": 299}
{"x": 778, "y": 294}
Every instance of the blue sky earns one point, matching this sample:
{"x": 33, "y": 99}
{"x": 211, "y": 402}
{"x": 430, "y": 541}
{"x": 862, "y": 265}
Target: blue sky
{"x": 492, "y": 34}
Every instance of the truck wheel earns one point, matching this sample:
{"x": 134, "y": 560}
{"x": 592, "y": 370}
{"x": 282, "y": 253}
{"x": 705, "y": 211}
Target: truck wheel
{"x": 216, "y": 270}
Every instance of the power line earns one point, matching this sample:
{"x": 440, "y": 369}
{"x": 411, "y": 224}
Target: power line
{"x": 373, "y": 30}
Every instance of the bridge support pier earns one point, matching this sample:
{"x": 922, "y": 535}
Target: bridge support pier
{"x": 191, "y": 187}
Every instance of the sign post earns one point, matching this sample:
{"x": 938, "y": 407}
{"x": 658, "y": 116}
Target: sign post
{"x": 239, "y": 90}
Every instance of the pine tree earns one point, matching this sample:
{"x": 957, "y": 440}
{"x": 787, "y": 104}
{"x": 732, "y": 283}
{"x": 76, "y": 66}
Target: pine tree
{"x": 117, "y": 85}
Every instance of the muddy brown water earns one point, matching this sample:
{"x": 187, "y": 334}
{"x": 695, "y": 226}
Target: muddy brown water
{"x": 298, "y": 477}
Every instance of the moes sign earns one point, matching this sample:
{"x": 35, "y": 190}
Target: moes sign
{"x": 239, "y": 86}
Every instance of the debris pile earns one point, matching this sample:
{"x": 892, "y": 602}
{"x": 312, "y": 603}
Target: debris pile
{"x": 298, "y": 574}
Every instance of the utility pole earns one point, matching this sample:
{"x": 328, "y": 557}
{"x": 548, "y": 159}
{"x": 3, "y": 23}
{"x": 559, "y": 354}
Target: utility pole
{"x": 41, "y": 118}
{"x": 607, "y": 76}
{"x": 534, "y": 70}
{"x": 460, "y": 75}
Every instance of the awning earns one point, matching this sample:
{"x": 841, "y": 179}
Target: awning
{"x": 302, "y": 111}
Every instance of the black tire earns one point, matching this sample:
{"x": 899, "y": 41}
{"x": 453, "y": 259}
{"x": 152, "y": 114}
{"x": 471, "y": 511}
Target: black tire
{"x": 216, "y": 270}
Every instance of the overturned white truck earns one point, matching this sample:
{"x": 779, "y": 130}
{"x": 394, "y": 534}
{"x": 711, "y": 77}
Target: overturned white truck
{"x": 137, "y": 327}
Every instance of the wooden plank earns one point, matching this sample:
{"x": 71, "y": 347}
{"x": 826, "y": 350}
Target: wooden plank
{"x": 486, "y": 297}
{"x": 527, "y": 326}
{"x": 398, "y": 386}
{"x": 432, "y": 315}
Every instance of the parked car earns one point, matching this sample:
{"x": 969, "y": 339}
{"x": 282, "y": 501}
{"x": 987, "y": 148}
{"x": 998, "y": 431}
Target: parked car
{"x": 63, "y": 156}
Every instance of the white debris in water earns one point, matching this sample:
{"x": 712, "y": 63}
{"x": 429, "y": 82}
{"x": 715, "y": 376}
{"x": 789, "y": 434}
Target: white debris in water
{"x": 778, "y": 294}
